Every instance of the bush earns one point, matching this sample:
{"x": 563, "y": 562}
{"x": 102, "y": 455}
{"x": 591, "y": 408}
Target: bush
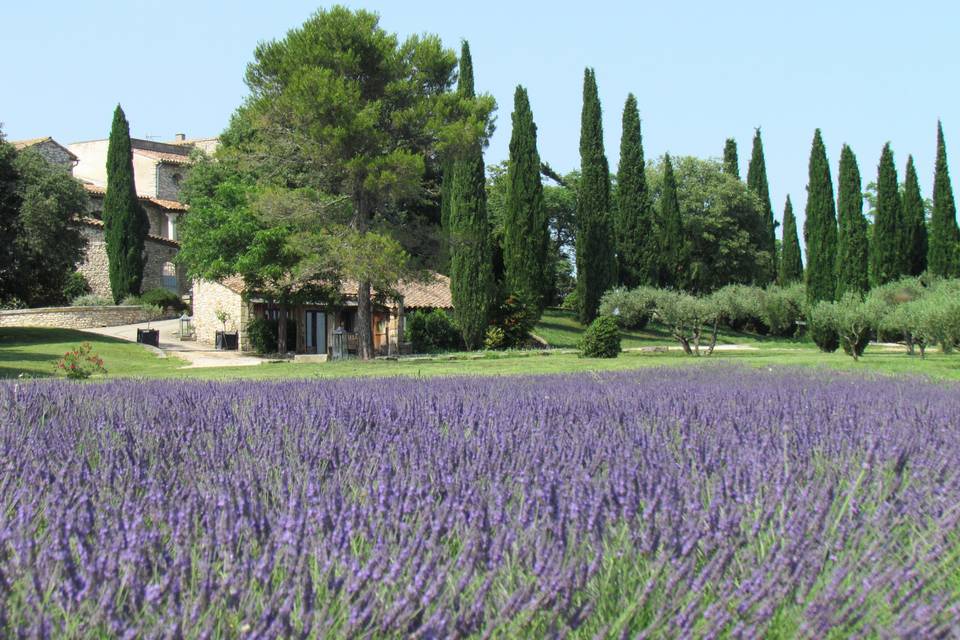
{"x": 75, "y": 286}
{"x": 132, "y": 301}
{"x": 494, "y": 339}
{"x": 820, "y": 325}
{"x": 601, "y": 339}
{"x": 571, "y": 301}
{"x": 81, "y": 363}
{"x": 630, "y": 308}
{"x": 516, "y": 320}
{"x": 741, "y": 307}
{"x": 687, "y": 317}
{"x": 432, "y": 331}
{"x": 163, "y": 298}
{"x": 91, "y": 300}
{"x": 782, "y": 308}
{"x": 263, "y": 334}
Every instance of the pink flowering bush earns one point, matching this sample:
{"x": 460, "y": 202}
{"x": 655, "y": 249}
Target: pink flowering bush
{"x": 81, "y": 363}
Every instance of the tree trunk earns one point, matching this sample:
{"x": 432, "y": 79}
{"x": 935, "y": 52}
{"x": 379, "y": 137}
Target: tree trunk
{"x": 713, "y": 338}
{"x": 364, "y": 326}
{"x": 282, "y": 329}
{"x": 908, "y": 338}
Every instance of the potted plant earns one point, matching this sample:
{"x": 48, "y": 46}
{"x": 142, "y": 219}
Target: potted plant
{"x": 150, "y": 336}
{"x": 226, "y": 341}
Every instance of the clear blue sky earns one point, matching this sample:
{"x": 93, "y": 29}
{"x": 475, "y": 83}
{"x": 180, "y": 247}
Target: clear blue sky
{"x": 865, "y": 72}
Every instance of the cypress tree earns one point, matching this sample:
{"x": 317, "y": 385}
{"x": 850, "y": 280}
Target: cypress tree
{"x": 670, "y": 233}
{"x": 525, "y": 232}
{"x": 943, "y": 253}
{"x": 852, "y": 267}
{"x": 125, "y": 223}
{"x": 914, "y": 237}
{"x": 820, "y": 226}
{"x": 757, "y": 182}
{"x": 791, "y": 265}
{"x": 636, "y": 244}
{"x": 10, "y": 204}
{"x": 471, "y": 285}
{"x": 596, "y": 251}
{"x": 886, "y": 259}
{"x": 731, "y": 163}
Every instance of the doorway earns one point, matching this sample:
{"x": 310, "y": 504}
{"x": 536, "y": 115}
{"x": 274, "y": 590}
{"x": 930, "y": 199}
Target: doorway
{"x": 316, "y": 332}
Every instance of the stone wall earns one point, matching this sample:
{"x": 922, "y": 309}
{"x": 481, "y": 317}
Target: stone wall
{"x": 169, "y": 179}
{"x": 54, "y": 154}
{"x": 208, "y": 298}
{"x": 96, "y": 267}
{"x": 72, "y": 317}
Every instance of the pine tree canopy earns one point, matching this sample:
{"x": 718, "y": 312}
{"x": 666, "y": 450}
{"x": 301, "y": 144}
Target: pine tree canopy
{"x": 731, "y": 163}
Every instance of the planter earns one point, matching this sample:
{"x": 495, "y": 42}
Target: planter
{"x": 149, "y": 336}
{"x": 227, "y": 341}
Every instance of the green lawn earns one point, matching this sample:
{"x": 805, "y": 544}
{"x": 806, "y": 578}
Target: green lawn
{"x": 33, "y": 352}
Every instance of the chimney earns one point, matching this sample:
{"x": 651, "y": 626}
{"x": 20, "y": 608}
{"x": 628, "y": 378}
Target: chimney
{"x": 180, "y": 137}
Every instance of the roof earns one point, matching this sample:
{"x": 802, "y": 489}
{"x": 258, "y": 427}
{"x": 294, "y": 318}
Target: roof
{"x": 32, "y": 142}
{"x": 169, "y": 205}
{"x": 430, "y": 293}
{"x": 98, "y": 224}
{"x": 164, "y": 157}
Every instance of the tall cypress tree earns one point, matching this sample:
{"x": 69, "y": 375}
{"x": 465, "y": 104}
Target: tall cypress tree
{"x": 670, "y": 232}
{"x": 791, "y": 265}
{"x": 757, "y": 182}
{"x": 852, "y": 267}
{"x": 636, "y": 244}
{"x": 471, "y": 279}
{"x": 731, "y": 163}
{"x": 943, "y": 254}
{"x": 125, "y": 223}
{"x": 596, "y": 251}
{"x": 820, "y": 226}
{"x": 525, "y": 231}
{"x": 914, "y": 236}
{"x": 10, "y": 204}
{"x": 886, "y": 259}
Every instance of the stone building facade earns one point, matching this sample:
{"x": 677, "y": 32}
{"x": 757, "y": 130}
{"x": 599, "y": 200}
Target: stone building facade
{"x": 225, "y": 296}
{"x": 160, "y": 271}
{"x": 51, "y": 150}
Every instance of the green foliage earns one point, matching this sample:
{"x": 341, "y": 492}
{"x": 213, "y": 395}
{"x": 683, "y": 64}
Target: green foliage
{"x": 914, "y": 232}
{"x": 75, "y": 286}
{"x": 687, "y": 317}
{"x": 125, "y": 223}
{"x": 670, "y": 239}
{"x": 526, "y": 239}
{"x": 886, "y": 247}
{"x": 820, "y": 326}
{"x": 631, "y": 308}
{"x": 791, "y": 264}
{"x": 80, "y": 363}
{"x": 494, "y": 339}
{"x": 741, "y": 307}
{"x": 731, "y": 161}
{"x": 596, "y": 262}
{"x": 852, "y": 262}
{"x": 633, "y": 220}
{"x": 163, "y": 298}
{"x": 571, "y": 301}
{"x": 601, "y": 339}
{"x": 432, "y": 331}
{"x": 516, "y": 319}
{"x": 471, "y": 278}
{"x": 820, "y": 228}
{"x": 90, "y": 300}
{"x": 9, "y": 214}
{"x": 765, "y": 235}
{"x": 854, "y": 319}
{"x": 263, "y": 334}
{"x": 782, "y": 308}
{"x": 943, "y": 257}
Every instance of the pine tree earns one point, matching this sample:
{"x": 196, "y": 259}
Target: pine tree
{"x": 731, "y": 163}
{"x": 670, "y": 231}
{"x": 791, "y": 265}
{"x": 943, "y": 254}
{"x": 636, "y": 244}
{"x": 471, "y": 285}
{"x": 525, "y": 230}
{"x": 914, "y": 249}
{"x": 820, "y": 226}
{"x": 852, "y": 267}
{"x": 886, "y": 259}
{"x": 757, "y": 182}
{"x": 596, "y": 251}
{"x": 125, "y": 223}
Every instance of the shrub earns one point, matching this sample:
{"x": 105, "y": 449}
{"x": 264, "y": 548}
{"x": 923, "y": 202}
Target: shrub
{"x": 91, "y": 300}
{"x": 820, "y": 326}
{"x": 132, "y": 301}
{"x": 894, "y": 295}
{"x": 516, "y": 319}
{"x": 687, "y": 317}
{"x": 81, "y": 363}
{"x": 630, "y": 308}
{"x": 494, "y": 339}
{"x": 263, "y": 334}
{"x": 601, "y": 339}
{"x": 782, "y": 308}
{"x": 75, "y": 286}
{"x": 163, "y": 298}
{"x": 741, "y": 307}
{"x": 432, "y": 331}
{"x": 571, "y": 302}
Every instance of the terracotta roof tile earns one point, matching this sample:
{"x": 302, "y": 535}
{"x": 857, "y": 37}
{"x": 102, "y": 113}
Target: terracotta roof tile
{"x": 169, "y": 205}
{"x": 19, "y": 145}
{"x": 164, "y": 157}
{"x": 98, "y": 224}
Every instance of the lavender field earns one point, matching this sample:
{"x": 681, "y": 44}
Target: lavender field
{"x": 715, "y": 502}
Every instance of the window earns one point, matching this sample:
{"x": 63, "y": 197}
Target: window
{"x": 170, "y": 276}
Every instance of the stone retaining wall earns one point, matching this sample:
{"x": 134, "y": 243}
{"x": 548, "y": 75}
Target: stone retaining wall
{"x": 72, "y": 317}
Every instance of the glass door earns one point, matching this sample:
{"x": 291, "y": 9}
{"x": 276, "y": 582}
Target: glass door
{"x": 316, "y": 322}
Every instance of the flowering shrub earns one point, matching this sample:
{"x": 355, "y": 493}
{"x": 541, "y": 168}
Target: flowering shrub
{"x": 666, "y": 503}
{"x": 81, "y": 363}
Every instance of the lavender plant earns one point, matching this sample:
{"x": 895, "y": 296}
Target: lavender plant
{"x": 701, "y": 502}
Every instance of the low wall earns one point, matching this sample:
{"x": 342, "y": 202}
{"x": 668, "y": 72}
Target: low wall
{"x": 72, "y": 317}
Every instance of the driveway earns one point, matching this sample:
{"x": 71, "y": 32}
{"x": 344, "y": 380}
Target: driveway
{"x": 197, "y": 354}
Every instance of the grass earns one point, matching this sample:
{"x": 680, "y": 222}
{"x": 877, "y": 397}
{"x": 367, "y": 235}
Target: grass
{"x": 32, "y": 353}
